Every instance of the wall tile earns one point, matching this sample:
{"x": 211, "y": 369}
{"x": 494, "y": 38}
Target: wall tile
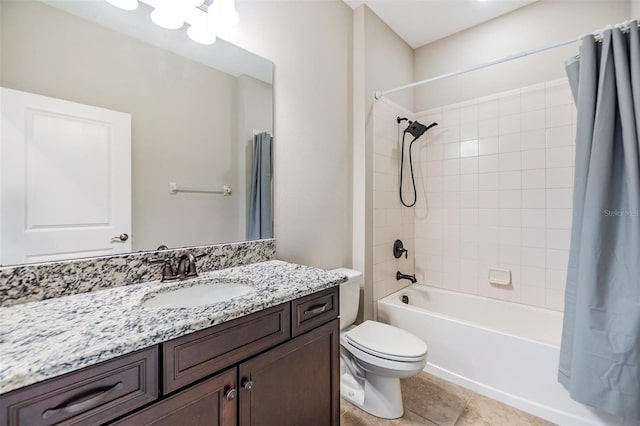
{"x": 559, "y": 136}
{"x": 510, "y": 199}
{"x": 488, "y": 145}
{"x": 532, "y": 98}
{"x": 560, "y": 178}
{"x": 489, "y": 163}
{"x": 499, "y": 183}
{"x": 469, "y": 166}
{"x": 534, "y": 159}
{"x": 489, "y": 199}
{"x": 510, "y": 161}
{"x": 533, "y": 120}
{"x": 469, "y": 131}
{"x": 534, "y": 179}
{"x": 511, "y": 180}
{"x": 535, "y": 139}
{"x": 488, "y": 128}
{"x": 469, "y": 148}
{"x": 533, "y": 199}
{"x": 509, "y": 124}
{"x": 488, "y": 181}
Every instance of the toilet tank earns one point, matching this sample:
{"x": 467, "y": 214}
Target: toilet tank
{"x": 349, "y": 296}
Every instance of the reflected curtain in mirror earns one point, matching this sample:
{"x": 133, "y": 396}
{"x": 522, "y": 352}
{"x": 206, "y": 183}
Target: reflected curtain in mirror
{"x": 260, "y": 223}
{"x": 600, "y": 352}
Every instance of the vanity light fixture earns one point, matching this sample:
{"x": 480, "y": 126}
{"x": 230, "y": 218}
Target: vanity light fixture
{"x": 204, "y": 23}
{"x": 124, "y": 4}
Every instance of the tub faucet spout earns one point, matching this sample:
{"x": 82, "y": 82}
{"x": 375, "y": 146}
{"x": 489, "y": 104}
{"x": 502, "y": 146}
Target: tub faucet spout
{"x": 401, "y": 276}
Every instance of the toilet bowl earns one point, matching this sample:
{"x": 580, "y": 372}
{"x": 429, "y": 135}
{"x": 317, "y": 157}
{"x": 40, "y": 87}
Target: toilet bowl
{"x": 374, "y": 356}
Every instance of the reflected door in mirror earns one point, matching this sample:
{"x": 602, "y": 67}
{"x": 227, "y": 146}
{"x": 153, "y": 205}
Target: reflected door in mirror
{"x": 65, "y": 179}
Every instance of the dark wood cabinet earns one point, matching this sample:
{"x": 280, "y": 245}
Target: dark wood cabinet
{"x": 279, "y": 366}
{"x": 295, "y": 384}
{"x": 209, "y": 403}
{"x": 90, "y": 396}
{"x": 200, "y": 354}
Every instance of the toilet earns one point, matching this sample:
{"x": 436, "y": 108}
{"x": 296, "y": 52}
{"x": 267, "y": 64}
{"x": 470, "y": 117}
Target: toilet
{"x": 374, "y": 356}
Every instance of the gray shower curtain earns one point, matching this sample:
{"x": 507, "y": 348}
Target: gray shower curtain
{"x": 260, "y": 223}
{"x": 600, "y": 352}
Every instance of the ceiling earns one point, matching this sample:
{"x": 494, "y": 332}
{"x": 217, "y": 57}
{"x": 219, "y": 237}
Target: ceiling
{"x": 419, "y": 22}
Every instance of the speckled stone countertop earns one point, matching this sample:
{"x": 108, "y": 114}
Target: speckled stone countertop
{"x": 45, "y": 339}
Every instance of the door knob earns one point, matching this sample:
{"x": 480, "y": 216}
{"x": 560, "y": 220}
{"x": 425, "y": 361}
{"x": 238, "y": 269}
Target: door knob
{"x": 122, "y": 237}
{"x": 230, "y": 393}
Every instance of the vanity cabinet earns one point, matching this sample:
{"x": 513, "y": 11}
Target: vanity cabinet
{"x": 297, "y": 383}
{"x": 278, "y": 366}
{"x": 211, "y": 402}
{"x": 89, "y": 396}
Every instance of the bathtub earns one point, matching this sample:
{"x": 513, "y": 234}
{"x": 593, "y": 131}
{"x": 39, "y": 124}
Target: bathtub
{"x": 506, "y": 351}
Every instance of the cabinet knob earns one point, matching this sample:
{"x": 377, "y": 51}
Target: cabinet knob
{"x": 230, "y": 393}
{"x": 246, "y": 384}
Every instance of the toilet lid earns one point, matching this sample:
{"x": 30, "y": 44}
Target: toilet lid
{"x": 386, "y": 341}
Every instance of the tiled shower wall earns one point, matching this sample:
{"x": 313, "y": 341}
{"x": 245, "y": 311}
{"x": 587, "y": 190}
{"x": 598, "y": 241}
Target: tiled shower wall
{"x": 391, "y": 221}
{"x": 495, "y": 187}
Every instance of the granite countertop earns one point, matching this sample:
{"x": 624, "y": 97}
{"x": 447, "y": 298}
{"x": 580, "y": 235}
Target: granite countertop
{"x": 45, "y": 339}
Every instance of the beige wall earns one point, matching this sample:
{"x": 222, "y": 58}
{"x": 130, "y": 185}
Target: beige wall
{"x": 380, "y": 59}
{"x": 183, "y": 116}
{"x": 310, "y": 44}
{"x": 389, "y": 61}
{"x": 635, "y": 9}
{"x": 541, "y": 23}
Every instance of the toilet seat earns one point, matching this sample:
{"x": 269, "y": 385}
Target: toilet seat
{"x": 387, "y": 342}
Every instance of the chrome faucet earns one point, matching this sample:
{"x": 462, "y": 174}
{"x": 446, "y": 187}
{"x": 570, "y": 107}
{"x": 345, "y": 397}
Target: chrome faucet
{"x": 186, "y": 268}
{"x": 401, "y": 276}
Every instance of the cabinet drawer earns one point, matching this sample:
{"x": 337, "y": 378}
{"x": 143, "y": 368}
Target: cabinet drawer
{"x": 92, "y": 395}
{"x": 208, "y": 403}
{"x": 199, "y": 354}
{"x": 314, "y": 310}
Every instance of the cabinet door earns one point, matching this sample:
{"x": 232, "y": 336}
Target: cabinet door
{"x": 296, "y": 383}
{"x": 211, "y": 402}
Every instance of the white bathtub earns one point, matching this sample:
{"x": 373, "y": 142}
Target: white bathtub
{"x": 506, "y": 351}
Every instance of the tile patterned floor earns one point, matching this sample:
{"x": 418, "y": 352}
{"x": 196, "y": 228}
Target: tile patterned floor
{"x": 429, "y": 400}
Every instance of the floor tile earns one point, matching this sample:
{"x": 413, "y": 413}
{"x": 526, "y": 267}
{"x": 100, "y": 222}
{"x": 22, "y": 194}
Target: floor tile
{"x": 431, "y": 401}
{"x": 483, "y": 411}
{"x": 437, "y": 400}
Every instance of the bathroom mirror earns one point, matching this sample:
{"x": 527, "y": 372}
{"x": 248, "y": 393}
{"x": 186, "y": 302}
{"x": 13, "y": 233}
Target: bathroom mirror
{"x": 194, "y": 112}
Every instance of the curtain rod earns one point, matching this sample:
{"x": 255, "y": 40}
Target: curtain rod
{"x": 378, "y": 94}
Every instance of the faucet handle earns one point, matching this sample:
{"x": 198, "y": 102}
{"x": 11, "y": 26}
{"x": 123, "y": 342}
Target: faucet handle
{"x": 167, "y": 269}
{"x": 398, "y": 249}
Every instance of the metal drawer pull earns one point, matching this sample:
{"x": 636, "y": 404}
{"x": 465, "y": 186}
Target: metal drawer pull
{"x": 316, "y": 309}
{"x": 246, "y": 384}
{"x": 230, "y": 393}
{"x": 82, "y": 403}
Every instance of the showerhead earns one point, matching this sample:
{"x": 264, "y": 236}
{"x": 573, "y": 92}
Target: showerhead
{"x": 417, "y": 129}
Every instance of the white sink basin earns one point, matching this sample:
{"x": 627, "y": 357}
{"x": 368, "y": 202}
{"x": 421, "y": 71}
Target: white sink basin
{"x": 199, "y": 294}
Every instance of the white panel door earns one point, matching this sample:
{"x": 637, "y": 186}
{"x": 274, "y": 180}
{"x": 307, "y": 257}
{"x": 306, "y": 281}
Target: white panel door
{"x": 65, "y": 179}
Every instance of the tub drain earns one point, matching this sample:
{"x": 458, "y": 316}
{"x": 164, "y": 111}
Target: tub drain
{"x": 405, "y": 299}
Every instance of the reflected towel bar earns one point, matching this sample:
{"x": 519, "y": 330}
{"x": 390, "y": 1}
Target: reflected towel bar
{"x": 174, "y": 189}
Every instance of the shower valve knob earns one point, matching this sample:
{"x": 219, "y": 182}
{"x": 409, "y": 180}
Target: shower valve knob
{"x": 398, "y": 249}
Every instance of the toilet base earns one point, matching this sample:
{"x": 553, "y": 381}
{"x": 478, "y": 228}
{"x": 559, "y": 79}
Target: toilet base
{"x": 378, "y": 395}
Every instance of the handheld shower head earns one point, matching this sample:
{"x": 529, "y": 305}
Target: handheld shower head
{"x": 417, "y": 129}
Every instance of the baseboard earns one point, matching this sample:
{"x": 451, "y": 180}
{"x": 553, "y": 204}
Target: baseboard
{"x": 542, "y": 411}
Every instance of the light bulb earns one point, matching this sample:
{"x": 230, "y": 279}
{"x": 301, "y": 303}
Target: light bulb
{"x": 124, "y": 4}
{"x": 167, "y": 16}
{"x": 201, "y": 34}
